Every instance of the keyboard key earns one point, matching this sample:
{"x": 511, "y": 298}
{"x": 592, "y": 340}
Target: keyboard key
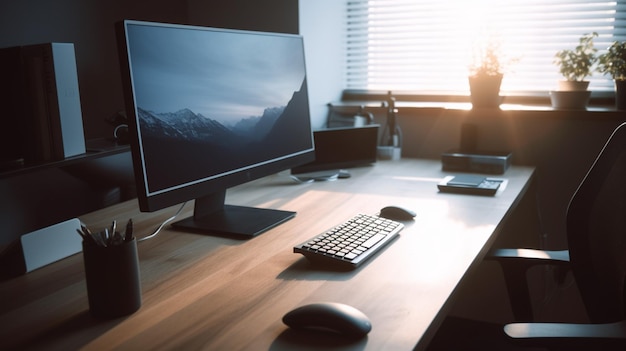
{"x": 373, "y": 240}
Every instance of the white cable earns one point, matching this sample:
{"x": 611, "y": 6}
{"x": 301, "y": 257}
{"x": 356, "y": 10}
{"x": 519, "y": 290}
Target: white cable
{"x": 156, "y": 232}
{"x": 116, "y": 130}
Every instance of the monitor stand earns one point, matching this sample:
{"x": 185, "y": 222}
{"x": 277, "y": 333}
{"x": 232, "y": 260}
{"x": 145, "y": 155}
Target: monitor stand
{"x": 212, "y": 217}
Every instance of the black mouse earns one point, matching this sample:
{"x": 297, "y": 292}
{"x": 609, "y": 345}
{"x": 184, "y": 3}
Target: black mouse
{"x": 397, "y": 213}
{"x": 329, "y": 316}
{"x": 344, "y": 174}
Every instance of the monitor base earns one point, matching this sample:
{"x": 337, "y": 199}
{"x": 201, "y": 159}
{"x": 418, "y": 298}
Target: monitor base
{"x": 238, "y": 222}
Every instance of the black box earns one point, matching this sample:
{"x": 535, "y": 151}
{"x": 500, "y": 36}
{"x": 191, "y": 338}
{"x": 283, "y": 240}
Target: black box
{"x": 490, "y": 162}
{"x": 337, "y": 148}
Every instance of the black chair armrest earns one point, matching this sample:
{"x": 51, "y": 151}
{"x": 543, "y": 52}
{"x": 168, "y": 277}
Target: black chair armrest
{"x": 515, "y": 264}
{"x": 531, "y": 255}
{"x": 610, "y": 335}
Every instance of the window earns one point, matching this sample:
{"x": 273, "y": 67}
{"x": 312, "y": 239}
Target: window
{"x": 424, "y": 45}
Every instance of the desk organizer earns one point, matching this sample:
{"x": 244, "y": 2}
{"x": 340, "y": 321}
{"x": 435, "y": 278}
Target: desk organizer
{"x": 112, "y": 275}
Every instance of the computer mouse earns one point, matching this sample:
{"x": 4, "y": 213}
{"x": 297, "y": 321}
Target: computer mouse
{"x": 329, "y": 317}
{"x": 344, "y": 174}
{"x": 397, "y": 213}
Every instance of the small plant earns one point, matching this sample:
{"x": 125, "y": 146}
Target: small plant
{"x": 577, "y": 64}
{"x": 487, "y": 60}
{"x": 613, "y": 61}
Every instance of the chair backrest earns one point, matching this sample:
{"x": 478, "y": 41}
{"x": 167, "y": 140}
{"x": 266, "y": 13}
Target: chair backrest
{"x": 596, "y": 232}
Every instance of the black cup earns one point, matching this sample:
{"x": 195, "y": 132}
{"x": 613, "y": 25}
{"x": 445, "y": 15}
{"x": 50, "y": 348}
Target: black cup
{"x": 112, "y": 275}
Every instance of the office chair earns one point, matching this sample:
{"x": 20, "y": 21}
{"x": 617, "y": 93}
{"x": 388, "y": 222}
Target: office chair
{"x": 596, "y": 255}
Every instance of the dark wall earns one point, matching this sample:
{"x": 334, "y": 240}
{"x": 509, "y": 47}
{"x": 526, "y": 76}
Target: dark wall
{"x": 263, "y": 15}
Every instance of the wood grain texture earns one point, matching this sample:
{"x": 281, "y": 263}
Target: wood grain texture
{"x": 213, "y": 293}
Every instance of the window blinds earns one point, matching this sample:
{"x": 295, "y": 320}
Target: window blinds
{"x": 425, "y": 45}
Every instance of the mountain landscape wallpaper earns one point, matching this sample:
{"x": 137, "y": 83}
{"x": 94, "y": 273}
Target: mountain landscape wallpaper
{"x": 210, "y": 102}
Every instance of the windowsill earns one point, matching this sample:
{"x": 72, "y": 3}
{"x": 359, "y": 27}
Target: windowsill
{"x": 376, "y": 100}
{"x": 438, "y": 105}
{"x": 503, "y": 107}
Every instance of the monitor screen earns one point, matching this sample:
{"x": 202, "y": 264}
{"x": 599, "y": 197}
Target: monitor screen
{"x": 210, "y": 109}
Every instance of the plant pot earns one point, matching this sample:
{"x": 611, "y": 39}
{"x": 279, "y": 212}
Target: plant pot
{"x": 570, "y": 100}
{"x": 485, "y": 90}
{"x": 620, "y": 94}
{"x": 573, "y": 85}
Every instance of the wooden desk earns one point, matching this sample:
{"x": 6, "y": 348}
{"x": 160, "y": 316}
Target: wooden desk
{"x": 202, "y": 292}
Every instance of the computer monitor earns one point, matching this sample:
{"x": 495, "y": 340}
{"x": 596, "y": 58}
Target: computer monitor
{"x": 210, "y": 109}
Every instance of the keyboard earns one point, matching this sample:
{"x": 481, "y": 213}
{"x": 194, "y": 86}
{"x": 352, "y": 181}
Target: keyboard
{"x": 350, "y": 243}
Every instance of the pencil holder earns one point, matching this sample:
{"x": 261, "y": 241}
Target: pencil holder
{"x": 112, "y": 275}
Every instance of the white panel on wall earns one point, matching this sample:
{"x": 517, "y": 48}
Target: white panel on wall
{"x": 322, "y": 24}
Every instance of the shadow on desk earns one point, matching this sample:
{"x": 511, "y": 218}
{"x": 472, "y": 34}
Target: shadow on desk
{"x": 79, "y": 324}
{"x": 305, "y": 340}
{"x": 302, "y": 269}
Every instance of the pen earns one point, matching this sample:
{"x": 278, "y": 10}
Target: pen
{"x": 81, "y": 234}
{"x": 113, "y": 228}
{"x": 116, "y": 239}
{"x": 128, "y": 234}
{"x": 86, "y": 235}
{"x": 85, "y": 229}
{"x": 100, "y": 238}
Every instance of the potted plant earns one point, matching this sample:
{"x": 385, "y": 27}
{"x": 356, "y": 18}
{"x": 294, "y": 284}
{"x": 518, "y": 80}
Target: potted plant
{"x": 485, "y": 75}
{"x": 613, "y": 62}
{"x": 575, "y": 66}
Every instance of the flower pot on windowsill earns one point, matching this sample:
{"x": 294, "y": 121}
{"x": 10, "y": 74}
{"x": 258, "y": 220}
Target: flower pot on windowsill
{"x": 571, "y": 95}
{"x": 485, "y": 90}
{"x": 570, "y": 100}
{"x": 620, "y": 94}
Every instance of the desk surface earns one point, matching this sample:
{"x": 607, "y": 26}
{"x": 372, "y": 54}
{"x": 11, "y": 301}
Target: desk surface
{"x": 203, "y": 292}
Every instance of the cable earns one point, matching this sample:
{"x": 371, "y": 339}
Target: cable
{"x": 156, "y": 232}
{"x": 116, "y": 130}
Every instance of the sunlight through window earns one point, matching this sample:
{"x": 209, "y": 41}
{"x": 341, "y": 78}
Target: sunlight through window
{"x": 426, "y": 45}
